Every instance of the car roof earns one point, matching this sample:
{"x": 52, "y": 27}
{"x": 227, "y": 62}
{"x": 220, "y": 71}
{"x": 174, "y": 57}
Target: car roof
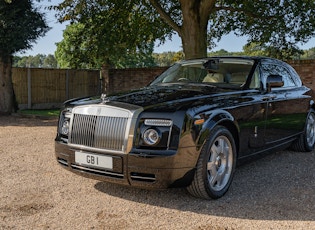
{"x": 254, "y": 58}
{"x": 248, "y": 58}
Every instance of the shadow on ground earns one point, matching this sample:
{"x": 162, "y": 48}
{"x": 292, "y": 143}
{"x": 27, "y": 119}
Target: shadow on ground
{"x": 278, "y": 187}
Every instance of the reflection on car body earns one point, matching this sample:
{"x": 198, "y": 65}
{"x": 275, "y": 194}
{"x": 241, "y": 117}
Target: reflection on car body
{"x": 190, "y": 127}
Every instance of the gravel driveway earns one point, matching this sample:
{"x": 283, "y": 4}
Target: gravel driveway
{"x": 276, "y": 192}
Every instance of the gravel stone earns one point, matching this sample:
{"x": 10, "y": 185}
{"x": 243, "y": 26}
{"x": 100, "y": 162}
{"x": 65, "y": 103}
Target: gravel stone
{"x": 275, "y": 192}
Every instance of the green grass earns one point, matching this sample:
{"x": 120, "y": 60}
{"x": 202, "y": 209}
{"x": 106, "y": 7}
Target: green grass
{"x": 45, "y": 113}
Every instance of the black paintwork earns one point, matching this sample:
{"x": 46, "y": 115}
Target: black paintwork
{"x": 260, "y": 120}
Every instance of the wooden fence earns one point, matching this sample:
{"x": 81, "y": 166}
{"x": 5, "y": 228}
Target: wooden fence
{"x": 49, "y": 88}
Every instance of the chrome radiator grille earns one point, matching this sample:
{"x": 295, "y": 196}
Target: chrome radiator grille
{"x": 99, "y": 131}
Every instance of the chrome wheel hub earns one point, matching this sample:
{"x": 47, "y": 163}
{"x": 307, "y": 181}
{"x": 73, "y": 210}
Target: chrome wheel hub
{"x": 220, "y": 162}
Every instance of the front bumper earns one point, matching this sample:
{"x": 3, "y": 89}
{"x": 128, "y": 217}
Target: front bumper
{"x": 134, "y": 169}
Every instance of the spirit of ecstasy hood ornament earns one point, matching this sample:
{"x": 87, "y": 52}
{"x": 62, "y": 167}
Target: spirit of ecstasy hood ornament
{"x": 104, "y": 98}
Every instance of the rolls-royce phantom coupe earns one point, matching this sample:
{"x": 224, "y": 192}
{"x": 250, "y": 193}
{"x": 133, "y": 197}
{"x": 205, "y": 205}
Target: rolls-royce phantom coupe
{"x": 190, "y": 127}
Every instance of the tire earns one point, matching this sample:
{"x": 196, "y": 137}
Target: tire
{"x": 215, "y": 166}
{"x": 306, "y": 141}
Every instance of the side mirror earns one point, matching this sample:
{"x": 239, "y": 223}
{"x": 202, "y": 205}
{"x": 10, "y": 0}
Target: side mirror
{"x": 274, "y": 81}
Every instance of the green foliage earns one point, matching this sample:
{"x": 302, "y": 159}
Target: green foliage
{"x": 108, "y": 32}
{"x": 259, "y": 49}
{"x": 223, "y": 52}
{"x": 73, "y": 50}
{"x": 42, "y": 113}
{"x": 38, "y": 61}
{"x": 20, "y": 25}
{"x": 116, "y": 27}
{"x": 254, "y": 49}
{"x": 167, "y": 58}
{"x": 50, "y": 61}
{"x": 276, "y": 26}
{"x": 308, "y": 54}
{"x": 79, "y": 49}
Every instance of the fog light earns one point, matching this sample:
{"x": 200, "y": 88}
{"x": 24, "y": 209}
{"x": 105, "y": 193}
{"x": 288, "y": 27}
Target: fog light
{"x": 151, "y": 137}
{"x": 65, "y": 128}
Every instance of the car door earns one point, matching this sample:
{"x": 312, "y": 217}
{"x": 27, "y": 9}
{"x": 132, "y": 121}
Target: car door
{"x": 286, "y": 106}
{"x": 252, "y": 118}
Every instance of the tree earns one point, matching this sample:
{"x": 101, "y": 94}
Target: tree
{"x": 223, "y": 52}
{"x": 50, "y": 61}
{"x": 199, "y": 23}
{"x": 20, "y": 25}
{"x": 167, "y": 58}
{"x": 72, "y": 51}
{"x": 259, "y": 49}
{"x": 38, "y": 61}
{"x": 108, "y": 34}
{"x": 309, "y": 54}
{"x": 77, "y": 51}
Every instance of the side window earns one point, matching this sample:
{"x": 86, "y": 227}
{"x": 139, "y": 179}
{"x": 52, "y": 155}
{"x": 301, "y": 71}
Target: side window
{"x": 272, "y": 69}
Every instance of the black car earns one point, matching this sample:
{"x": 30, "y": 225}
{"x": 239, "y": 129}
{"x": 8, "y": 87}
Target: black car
{"x": 190, "y": 127}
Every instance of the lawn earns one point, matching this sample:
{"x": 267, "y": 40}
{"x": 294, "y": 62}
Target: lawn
{"x": 45, "y": 113}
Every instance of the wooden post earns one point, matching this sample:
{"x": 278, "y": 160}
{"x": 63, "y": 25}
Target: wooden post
{"x": 105, "y": 79}
{"x": 99, "y": 82}
{"x": 67, "y": 84}
{"x": 29, "y": 88}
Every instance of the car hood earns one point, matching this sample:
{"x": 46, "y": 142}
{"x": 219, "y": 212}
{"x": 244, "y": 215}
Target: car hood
{"x": 166, "y": 97}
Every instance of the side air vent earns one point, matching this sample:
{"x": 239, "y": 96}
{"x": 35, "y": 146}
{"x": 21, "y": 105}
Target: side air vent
{"x": 145, "y": 177}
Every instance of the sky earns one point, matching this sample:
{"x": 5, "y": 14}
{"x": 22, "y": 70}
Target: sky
{"x": 47, "y": 44}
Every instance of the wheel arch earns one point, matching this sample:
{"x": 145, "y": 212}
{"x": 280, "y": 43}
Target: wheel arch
{"x": 232, "y": 127}
{"x": 224, "y": 119}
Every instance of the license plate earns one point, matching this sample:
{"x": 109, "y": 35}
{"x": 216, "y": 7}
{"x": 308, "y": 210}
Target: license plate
{"x": 95, "y": 160}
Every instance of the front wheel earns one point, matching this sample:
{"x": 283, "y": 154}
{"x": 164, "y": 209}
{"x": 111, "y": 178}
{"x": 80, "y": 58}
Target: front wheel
{"x": 215, "y": 166}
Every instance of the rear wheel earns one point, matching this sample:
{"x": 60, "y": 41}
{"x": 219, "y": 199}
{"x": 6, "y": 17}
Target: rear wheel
{"x": 306, "y": 141}
{"x": 215, "y": 166}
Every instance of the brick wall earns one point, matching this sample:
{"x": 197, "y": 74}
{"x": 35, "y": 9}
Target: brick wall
{"x": 133, "y": 78}
{"x": 306, "y": 70}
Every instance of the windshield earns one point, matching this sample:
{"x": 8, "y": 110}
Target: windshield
{"x": 228, "y": 72}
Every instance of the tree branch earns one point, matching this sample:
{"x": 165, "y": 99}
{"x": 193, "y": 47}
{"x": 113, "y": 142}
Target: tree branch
{"x": 206, "y": 7}
{"x": 165, "y": 16}
{"x": 248, "y": 13}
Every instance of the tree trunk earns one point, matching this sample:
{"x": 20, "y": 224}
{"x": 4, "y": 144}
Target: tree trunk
{"x": 194, "y": 28}
{"x": 6, "y": 86}
{"x": 193, "y": 31}
{"x": 194, "y": 41}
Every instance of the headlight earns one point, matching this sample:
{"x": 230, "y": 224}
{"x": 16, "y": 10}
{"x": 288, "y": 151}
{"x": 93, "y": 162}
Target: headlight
{"x": 151, "y": 137}
{"x": 65, "y": 127}
{"x": 64, "y": 121}
{"x": 154, "y": 133}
